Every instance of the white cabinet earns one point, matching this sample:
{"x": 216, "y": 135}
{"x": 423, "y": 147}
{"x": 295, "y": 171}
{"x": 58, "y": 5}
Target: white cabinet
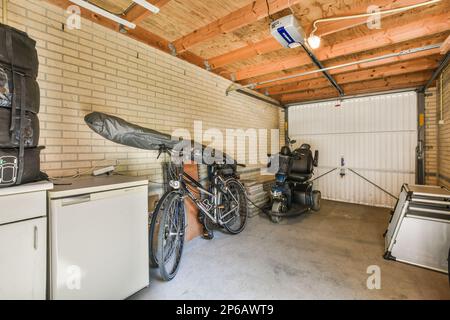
{"x": 23, "y": 259}
{"x": 23, "y": 241}
{"x": 99, "y": 238}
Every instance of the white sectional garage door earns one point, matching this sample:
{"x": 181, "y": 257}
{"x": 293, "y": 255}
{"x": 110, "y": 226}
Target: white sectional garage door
{"x": 376, "y": 136}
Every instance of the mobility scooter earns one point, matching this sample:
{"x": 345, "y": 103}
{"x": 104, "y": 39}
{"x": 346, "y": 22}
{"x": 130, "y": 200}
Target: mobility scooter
{"x": 293, "y": 194}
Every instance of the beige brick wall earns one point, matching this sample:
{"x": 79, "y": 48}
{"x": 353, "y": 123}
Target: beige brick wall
{"x": 431, "y": 141}
{"x": 96, "y": 69}
{"x": 444, "y": 129}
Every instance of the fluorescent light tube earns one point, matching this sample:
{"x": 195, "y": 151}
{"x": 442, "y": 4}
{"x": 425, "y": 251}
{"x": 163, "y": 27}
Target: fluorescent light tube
{"x": 104, "y": 13}
{"x": 147, "y": 5}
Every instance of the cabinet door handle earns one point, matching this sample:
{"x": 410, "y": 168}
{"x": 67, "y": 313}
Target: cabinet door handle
{"x": 75, "y": 200}
{"x": 35, "y": 238}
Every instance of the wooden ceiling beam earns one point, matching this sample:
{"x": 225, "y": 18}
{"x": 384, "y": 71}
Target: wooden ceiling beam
{"x": 350, "y": 58}
{"x": 375, "y": 64}
{"x": 411, "y": 80}
{"x": 270, "y": 44}
{"x": 375, "y": 39}
{"x": 138, "y": 13}
{"x": 343, "y": 76}
{"x": 445, "y": 46}
{"x": 232, "y": 21}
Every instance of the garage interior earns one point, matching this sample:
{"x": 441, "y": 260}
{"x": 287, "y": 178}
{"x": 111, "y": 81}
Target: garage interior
{"x": 365, "y": 83}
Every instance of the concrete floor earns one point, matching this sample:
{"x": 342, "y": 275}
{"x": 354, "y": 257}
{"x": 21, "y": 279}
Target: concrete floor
{"x": 321, "y": 255}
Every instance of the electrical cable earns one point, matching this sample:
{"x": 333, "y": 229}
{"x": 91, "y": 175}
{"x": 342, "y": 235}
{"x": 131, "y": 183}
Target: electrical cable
{"x": 362, "y": 15}
{"x": 149, "y": 181}
{"x": 262, "y": 209}
{"x": 75, "y": 176}
{"x": 290, "y": 7}
{"x": 268, "y": 11}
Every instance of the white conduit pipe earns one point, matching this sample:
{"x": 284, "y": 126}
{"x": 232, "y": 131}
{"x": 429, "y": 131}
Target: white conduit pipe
{"x": 363, "y": 15}
{"x": 235, "y": 87}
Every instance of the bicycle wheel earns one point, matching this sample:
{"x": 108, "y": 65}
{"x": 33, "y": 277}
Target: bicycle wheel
{"x": 235, "y": 209}
{"x": 171, "y": 236}
{"x": 154, "y": 230}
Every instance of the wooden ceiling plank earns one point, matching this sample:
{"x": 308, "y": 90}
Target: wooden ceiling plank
{"x": 138, "y": 13}
{"x": 362, "y": 75}
{"x": 435, "y": 39}
{"x": 250, "y": 51}
{"x": 329, "y": 94}
{"x": 233, "y": 21}
{"x": 394, "y": 86}
{"x": 308, "y": 95}
{"x": 343, "y": 76}
{"x": 325, "y": 28}
{"x": 423, "y": 64}
{"x": 270, "y": 67}
{"x": 390, "y": 82}
{"x": 376, "y": 39}
{"x": 385, "y": 84}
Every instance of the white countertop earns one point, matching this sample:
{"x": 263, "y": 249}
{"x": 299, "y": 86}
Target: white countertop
{"x": 25, "y": 188}
{"x": 89, "y": 184}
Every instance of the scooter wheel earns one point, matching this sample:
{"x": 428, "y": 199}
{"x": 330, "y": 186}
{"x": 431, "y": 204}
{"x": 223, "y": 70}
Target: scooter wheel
{"x": 275, "y": 219}
{"x": 316, "y": 199}
{"x": 277, "y": 207}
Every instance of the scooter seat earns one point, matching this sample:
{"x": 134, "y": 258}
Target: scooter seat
{"x": 302, "y": 166}
{"x": 299, "y": 177}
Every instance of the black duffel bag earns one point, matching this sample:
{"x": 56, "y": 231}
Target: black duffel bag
{"x": 11, "y": 90}
{"x": 15, "y": 172}
{"x": 18, "y": 50}
{"x": 30, "y": 130}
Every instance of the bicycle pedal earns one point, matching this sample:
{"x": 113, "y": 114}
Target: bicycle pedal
{"x": 208, "y": 235}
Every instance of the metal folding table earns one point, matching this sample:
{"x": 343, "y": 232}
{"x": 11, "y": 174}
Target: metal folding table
{"x": 419, "y": 229}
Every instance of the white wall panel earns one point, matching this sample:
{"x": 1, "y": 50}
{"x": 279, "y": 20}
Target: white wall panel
{"x": 377, "y": 137}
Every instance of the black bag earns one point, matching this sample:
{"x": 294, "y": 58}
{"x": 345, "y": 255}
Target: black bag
{"x": 15, "y": 172}
{"x": 19, "y": 104}
{"x": 30, "y": 133}
{"x": 18, "y": 50}
{"x": 11, "y": 90}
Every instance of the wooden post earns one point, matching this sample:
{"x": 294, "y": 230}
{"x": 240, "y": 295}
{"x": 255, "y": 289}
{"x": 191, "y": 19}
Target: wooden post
{"x": 194, "y": 227}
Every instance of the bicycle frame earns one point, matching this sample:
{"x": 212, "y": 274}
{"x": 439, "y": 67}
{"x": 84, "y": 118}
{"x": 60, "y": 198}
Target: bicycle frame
{"x": 185, "y": 182}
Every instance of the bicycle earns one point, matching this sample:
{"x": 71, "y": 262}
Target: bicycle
{"x": 223, "y": 204}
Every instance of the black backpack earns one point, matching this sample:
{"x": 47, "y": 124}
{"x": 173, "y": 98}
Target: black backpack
{"x": 19, "y": 105}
